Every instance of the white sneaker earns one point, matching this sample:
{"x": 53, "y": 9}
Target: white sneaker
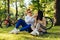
{"x": 14, "y": 31}
{"x": 35, "y": 32}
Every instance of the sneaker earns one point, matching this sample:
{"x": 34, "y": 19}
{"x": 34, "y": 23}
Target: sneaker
{"x": 45, "y": 32}
{"x": 40, "y": 33}
{"x": 14, "y": 31}
{"x": 35, "y": 32}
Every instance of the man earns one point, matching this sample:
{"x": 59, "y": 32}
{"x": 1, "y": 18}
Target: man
{"x": 26, "y": 25}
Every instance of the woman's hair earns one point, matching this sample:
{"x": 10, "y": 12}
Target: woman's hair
{"x": 40, "y": 15}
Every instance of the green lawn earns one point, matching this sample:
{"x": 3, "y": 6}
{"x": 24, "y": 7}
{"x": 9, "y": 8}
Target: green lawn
{"x": 54, "y": 34}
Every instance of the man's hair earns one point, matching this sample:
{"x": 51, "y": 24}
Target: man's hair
{"x": 28, "y": 10}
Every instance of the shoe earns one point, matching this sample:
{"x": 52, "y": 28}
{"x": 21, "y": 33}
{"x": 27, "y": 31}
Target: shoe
{"x": 40, "y": 33}
{"x": 35, "y": 32}
{"x": 14, "y": 31}
{"x": 45, "y": 32}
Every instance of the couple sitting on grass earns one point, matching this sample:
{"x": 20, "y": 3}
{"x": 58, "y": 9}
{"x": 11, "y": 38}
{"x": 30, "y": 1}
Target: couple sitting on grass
{"x": 32, "y": 23}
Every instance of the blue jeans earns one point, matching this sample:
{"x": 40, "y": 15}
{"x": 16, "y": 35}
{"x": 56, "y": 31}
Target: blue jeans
{"x": 25, "y": 26}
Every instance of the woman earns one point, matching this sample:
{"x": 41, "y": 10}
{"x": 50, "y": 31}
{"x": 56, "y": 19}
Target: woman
{"x": 40, "y": 24}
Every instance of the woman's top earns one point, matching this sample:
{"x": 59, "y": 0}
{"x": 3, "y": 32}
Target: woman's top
{"x": 39, "y": 24}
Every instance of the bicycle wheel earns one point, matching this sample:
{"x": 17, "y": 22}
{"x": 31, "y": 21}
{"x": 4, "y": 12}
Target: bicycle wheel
{"x": 3, "y": 23}
{"x": 49, "y": 23}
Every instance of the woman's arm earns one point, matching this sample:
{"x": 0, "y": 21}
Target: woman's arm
{"x": 34, "y": 25}
{"x": 44, "y": 21}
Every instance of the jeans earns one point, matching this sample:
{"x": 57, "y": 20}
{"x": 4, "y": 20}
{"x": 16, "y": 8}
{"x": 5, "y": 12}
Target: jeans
{"x": 25, "y": 26}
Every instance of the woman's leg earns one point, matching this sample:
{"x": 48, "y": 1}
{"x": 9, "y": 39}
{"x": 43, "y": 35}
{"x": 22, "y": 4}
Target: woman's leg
{"x": 39, "y": 27}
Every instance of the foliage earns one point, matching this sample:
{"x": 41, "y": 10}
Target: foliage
{"x": 47, "y": 6}
{"x": 2, "y": 10}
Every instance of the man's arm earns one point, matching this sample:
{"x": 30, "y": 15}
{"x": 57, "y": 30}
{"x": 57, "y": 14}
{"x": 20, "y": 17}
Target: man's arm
{"x": 28, "y": 19}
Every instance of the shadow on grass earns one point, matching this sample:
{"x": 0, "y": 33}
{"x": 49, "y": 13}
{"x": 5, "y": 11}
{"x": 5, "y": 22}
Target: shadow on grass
{"x": 51, "y": 35}
{"x": 30, "y": 38}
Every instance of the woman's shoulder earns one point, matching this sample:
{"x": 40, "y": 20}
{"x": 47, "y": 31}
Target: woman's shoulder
{"x": 44, "y": 18}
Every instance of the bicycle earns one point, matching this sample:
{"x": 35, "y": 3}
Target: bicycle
{"x": 49, "y": 23}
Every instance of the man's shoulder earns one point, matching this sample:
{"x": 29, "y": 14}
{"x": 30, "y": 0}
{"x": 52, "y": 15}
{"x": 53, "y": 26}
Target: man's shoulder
{"x": 27, "y": 16}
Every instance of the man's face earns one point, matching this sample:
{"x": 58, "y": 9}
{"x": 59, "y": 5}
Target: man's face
{"x": 29, "y": 13}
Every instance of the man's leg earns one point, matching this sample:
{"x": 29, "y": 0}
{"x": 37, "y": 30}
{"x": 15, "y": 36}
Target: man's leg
{"x": 20, "y": 22}
{"x": 26, "y": 28}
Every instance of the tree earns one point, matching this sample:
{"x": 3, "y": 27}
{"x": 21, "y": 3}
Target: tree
{"x": 16, "y": 10}
{"x": 45, "y": 5}
{"x": 57, "y": 15}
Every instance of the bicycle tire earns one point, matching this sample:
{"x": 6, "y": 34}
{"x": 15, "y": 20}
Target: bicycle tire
{"x": 51, "y": 23}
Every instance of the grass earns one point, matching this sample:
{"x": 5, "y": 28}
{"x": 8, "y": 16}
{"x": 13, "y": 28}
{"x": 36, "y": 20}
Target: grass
{"x": 54, "y": 34}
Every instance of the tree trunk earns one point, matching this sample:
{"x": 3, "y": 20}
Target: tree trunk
{"x": 16, "y": 10}
{"x": 8, "y": 7}
{"x": 57, "y": 15}
{"x": 5, "y": 9}
{"x": 8, "y": 16}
